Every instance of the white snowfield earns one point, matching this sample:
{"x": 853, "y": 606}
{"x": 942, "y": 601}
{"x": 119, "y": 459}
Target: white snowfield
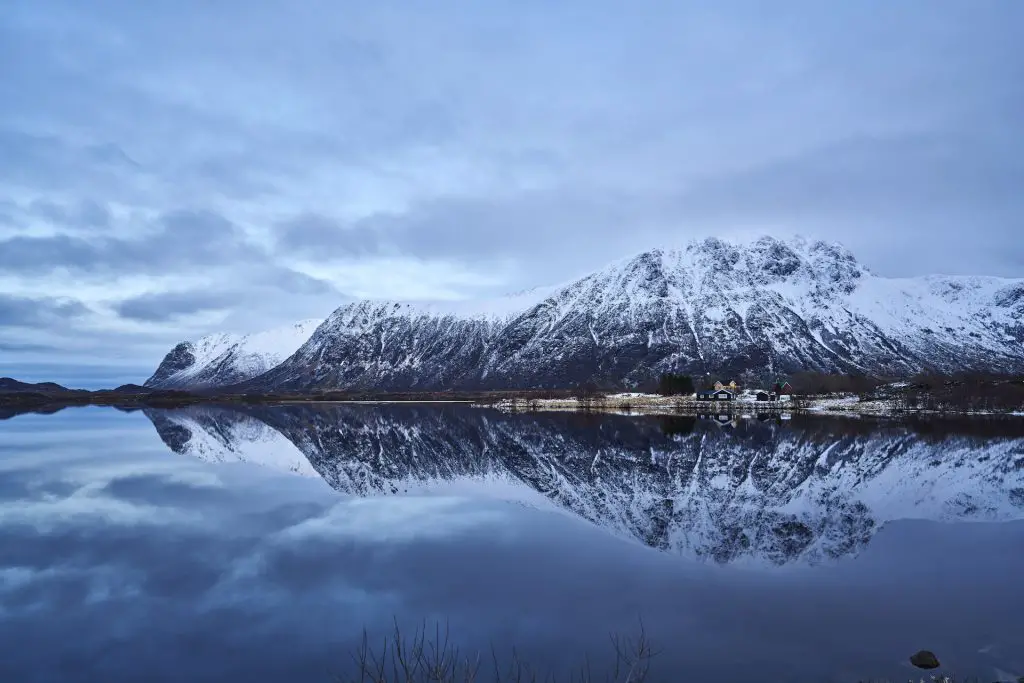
{"x": 792, "y": 304}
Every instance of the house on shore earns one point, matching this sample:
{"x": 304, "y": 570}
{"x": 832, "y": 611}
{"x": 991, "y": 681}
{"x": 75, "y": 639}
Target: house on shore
{"x": 715, "y": 395}
{"x": 762, "y": 395}
{"x": 782, "y": 388}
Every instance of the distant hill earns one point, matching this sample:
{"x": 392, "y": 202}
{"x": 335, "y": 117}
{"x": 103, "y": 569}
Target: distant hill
{"x": 132, "y": 389}
{"x": 11, "y": 385}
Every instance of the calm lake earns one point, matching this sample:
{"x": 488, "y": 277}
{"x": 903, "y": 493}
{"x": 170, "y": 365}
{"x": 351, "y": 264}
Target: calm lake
{"x": 256, "y": 543}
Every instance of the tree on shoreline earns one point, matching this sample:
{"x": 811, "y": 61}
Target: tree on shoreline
{"x": 672, "y": 384}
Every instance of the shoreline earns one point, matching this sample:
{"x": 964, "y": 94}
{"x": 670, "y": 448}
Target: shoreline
{"x": 516, "y": 401}
{"x": 647, "y": 405}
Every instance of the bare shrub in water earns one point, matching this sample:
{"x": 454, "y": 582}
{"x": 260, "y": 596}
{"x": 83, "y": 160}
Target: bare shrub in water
{"x": 425, "y": 659}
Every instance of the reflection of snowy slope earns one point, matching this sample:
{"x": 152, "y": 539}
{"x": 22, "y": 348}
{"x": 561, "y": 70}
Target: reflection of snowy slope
{"x": 804, "y": 492}
{"x": 815, "y": 500}
{"x": 216, "y": 435}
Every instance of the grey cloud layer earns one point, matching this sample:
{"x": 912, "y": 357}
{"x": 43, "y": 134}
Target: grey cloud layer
{"x": 18, "y": 311}
{"x": 178, "y": 238}
{"x": 872, "y": 194}
{"x": 166, "y": 305}
{"x": 546, "y": 139}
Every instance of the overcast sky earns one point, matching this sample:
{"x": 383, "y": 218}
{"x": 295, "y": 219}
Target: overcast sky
{"x": 172, "y": 168}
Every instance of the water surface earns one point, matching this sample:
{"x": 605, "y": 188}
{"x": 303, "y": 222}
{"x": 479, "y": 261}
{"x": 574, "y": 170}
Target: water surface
{"x": 215, "y": 543}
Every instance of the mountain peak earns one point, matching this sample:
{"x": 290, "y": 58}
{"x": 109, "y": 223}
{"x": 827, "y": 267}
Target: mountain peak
{"x": 820, "y": 267}
{"x": 221, "y": 358}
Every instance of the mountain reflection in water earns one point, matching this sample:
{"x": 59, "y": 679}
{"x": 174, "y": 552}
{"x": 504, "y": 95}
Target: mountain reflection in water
{"x": 753, "y": 490}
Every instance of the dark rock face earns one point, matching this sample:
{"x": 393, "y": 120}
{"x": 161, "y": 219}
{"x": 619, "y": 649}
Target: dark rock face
{"x": 384, "y": 345}
{"x": 767, "y": 493}
{"x": 180, "y": 358}
{"x": 924, "y": 660}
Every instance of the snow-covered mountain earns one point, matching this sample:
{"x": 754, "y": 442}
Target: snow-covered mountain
{"x": 223, "y": 359}
{"x": 800, "y": 491}
{"x": 710, "y": 307}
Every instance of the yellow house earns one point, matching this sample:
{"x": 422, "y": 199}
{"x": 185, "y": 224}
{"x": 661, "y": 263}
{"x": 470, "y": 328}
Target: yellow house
{"x": 731, "y": 386}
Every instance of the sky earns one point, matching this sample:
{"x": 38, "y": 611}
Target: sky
{"x": 171, "y": 169}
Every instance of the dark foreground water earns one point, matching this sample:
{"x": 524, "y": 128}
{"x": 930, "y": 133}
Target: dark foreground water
{"x": 212, "y": 544}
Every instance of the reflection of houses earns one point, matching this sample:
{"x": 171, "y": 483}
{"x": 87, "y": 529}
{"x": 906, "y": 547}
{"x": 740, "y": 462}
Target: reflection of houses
{"x": 721, "y": 419}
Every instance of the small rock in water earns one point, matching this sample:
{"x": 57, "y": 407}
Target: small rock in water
{"x": 925, "y": 660}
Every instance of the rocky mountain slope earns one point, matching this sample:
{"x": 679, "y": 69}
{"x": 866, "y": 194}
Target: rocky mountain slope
{"x": 772, "y": 493}
{"x": 224, "y": 359}
{"x": 712, "y": 307}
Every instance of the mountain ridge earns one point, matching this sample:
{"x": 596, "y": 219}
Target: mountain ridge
{"x": 710, "y": 307}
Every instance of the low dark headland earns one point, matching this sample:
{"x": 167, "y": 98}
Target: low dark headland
{"x": 45, "y": 397}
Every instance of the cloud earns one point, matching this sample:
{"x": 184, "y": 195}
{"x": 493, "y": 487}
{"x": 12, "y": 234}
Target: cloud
{"x": 292, "y": 282}
{"x": 179, "y": 238}
{"x": 161, "y": 306}
{"x": 49, "y": 162}
{"x": 483, "y": 233}
{"x": 319, "y": 237}
{"x": 85, "y": 213}
{"x": 870, "y": 188}
{"x": 16, "y": 347}
{"x": 908, "y": 174}
{"x": 18, "y": 311}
